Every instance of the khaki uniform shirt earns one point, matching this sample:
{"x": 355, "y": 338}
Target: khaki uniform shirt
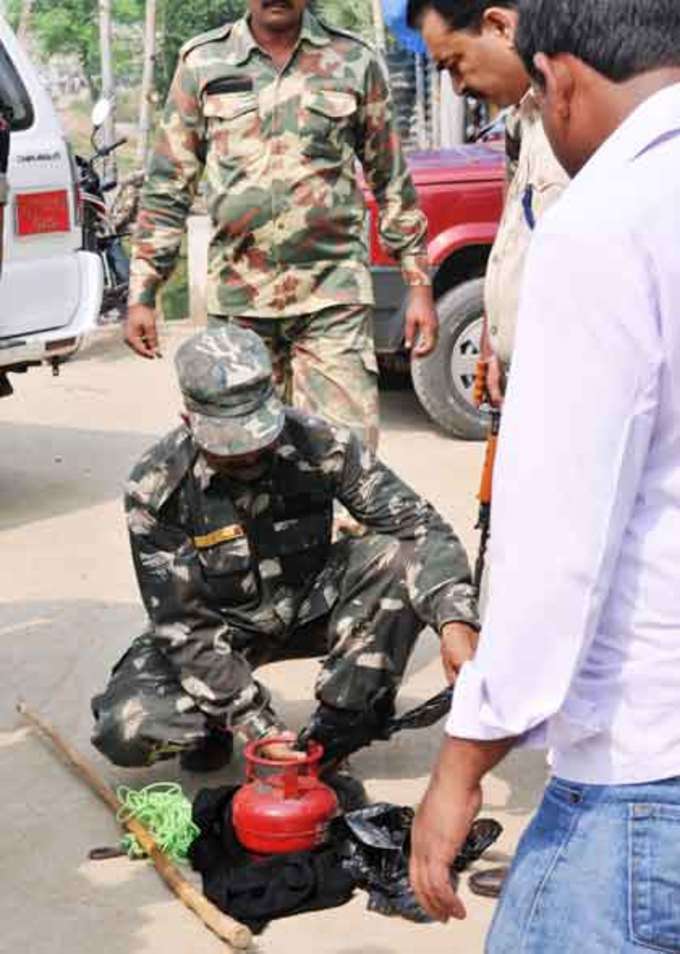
{"x": 537, "y": 181}
{"x": 277, "y": 151}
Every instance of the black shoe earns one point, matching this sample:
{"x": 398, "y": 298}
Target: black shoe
{"x": 488, "y": 883}
{"x": 211, "y": 755}
{"x": 350, "y": 790}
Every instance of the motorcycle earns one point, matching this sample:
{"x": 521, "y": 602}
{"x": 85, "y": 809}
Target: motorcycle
{"x": 106, "y": 224}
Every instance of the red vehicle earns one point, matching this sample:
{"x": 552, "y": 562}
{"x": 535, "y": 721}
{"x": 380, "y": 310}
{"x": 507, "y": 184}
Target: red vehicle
{"x": 461, "y": 192}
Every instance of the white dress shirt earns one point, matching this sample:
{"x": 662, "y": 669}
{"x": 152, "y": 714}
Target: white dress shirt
{"x": 580, "y": 648}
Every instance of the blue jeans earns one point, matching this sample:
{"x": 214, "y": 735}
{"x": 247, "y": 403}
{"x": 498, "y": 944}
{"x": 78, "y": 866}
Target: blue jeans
{"x": 596, "y": 872}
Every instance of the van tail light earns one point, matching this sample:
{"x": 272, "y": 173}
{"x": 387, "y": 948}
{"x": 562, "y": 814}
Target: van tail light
{"x": 38, "y": 213}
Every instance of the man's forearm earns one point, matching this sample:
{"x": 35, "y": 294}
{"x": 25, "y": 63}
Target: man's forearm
{"x": 155, "y": 249}
{"x": 463, "y": 763}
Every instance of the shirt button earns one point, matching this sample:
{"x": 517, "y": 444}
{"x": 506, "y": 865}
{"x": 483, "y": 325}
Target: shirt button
{"x": 494, "y": 329}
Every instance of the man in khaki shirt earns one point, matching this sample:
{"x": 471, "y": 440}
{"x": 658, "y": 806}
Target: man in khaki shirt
{"x": 474, "y": 41}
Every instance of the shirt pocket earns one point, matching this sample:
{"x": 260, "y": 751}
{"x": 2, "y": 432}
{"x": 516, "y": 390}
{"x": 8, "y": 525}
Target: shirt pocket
{"x": 234, "y": 129}
{"x": 654, "y": 874}
{"x": 301, "y": 544}
{"x": 228, "y": 569}
{"x": 328, "y": 123}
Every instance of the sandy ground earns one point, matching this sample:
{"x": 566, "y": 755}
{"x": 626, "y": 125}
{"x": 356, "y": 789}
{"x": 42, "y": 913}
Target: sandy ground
{"x": 68, "y": 606}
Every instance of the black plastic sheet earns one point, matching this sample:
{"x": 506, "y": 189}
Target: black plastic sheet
{"x": 376, "y": 851}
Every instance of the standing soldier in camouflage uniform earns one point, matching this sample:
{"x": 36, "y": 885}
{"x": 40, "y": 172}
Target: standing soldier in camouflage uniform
{"x": 230, "y": 521}
{"x": 274, "y": 111}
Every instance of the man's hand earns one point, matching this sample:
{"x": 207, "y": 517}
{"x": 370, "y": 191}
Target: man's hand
{"x": 489, "y": 376}
{"x": 422, "y": 326}
{"x": 495, "y": 381}
{"x": 140, "y": 331}
{"x": 439, "y": 830}
{"x": 444, "y": 819}
{"x": 281, "y": 750}
{"x": 458, "y": 646}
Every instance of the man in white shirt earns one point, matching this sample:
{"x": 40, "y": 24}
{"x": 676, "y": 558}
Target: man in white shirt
{"x": 580, "y": 647}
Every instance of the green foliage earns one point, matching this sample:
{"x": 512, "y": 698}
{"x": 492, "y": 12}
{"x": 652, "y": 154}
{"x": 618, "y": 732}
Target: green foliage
{"x": 354, "y": 15}
{"x": 179, "y": 20}
{"x": 72, "y": 27}
{"x": 13, "y": 12}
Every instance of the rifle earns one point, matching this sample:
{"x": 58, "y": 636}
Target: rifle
{"x": 484, "y": 496}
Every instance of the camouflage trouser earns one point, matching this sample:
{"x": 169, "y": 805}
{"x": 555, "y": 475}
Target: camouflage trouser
{"x": 325, "y": 364}
{"x": 144, "y": 714}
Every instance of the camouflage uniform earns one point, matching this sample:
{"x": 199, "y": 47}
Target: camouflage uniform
{"x": 277, "y": 152}
{"x": 236, "y": 574}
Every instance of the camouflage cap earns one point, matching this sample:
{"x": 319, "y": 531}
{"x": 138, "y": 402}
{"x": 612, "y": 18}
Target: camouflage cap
{"x": 225, "y": 376}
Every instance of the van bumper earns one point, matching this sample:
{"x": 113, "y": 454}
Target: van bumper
{"x": 18, "y": 353}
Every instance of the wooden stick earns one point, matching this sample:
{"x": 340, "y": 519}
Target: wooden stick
{"x": 235, "y": 934}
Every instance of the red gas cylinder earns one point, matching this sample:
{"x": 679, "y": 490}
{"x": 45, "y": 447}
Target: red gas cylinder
{"x": 283, "y": 805}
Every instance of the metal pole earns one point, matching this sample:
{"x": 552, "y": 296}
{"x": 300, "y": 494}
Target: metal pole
{"x": 421, "y": 117}
{"x": 436, "y": 106}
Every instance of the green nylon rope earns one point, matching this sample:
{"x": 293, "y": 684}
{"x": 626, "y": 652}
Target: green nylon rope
{"x": 165, "y": 812}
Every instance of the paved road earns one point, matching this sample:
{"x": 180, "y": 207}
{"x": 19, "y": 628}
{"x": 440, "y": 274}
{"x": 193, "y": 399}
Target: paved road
{"x": 68, "y": 604}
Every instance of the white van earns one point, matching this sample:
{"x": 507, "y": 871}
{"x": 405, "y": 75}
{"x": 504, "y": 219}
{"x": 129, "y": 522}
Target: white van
{"x": 50, "y": 289}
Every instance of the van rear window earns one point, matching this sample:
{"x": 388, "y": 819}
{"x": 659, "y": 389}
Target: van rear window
{"x": 13, "y": 94}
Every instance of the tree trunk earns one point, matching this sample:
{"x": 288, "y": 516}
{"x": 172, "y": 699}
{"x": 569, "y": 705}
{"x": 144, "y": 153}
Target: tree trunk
{"x": 379, "y": 26}
{"x": 145, "y": 105}
{"x": 107, "y": 65}
{"x": 23, "y": 30}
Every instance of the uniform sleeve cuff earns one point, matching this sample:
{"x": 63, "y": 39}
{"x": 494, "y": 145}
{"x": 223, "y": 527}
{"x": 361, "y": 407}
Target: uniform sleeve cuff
{"x": 459, "y": 605}
{"x": 142, "y": 295}
{"x": 415, "y": 269}
{"x": 258, "y": 724}
{"x": 144, "y": 282}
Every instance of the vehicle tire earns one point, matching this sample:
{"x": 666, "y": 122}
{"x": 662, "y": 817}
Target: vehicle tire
{"x": 444, "y": 380}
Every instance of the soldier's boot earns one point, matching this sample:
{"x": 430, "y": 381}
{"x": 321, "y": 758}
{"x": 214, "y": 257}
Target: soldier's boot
{"x": 213, "y": 754}
{"x": 349, "y": 789}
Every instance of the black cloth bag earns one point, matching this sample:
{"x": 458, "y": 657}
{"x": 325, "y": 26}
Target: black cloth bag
{"x": 255, "y": 889}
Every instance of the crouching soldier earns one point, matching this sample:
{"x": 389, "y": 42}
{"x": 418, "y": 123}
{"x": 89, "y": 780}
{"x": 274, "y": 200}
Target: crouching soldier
{"x": 230, "y": 519}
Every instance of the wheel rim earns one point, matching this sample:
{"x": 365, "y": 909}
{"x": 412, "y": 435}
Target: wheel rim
{"x": 464, "y": 357}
